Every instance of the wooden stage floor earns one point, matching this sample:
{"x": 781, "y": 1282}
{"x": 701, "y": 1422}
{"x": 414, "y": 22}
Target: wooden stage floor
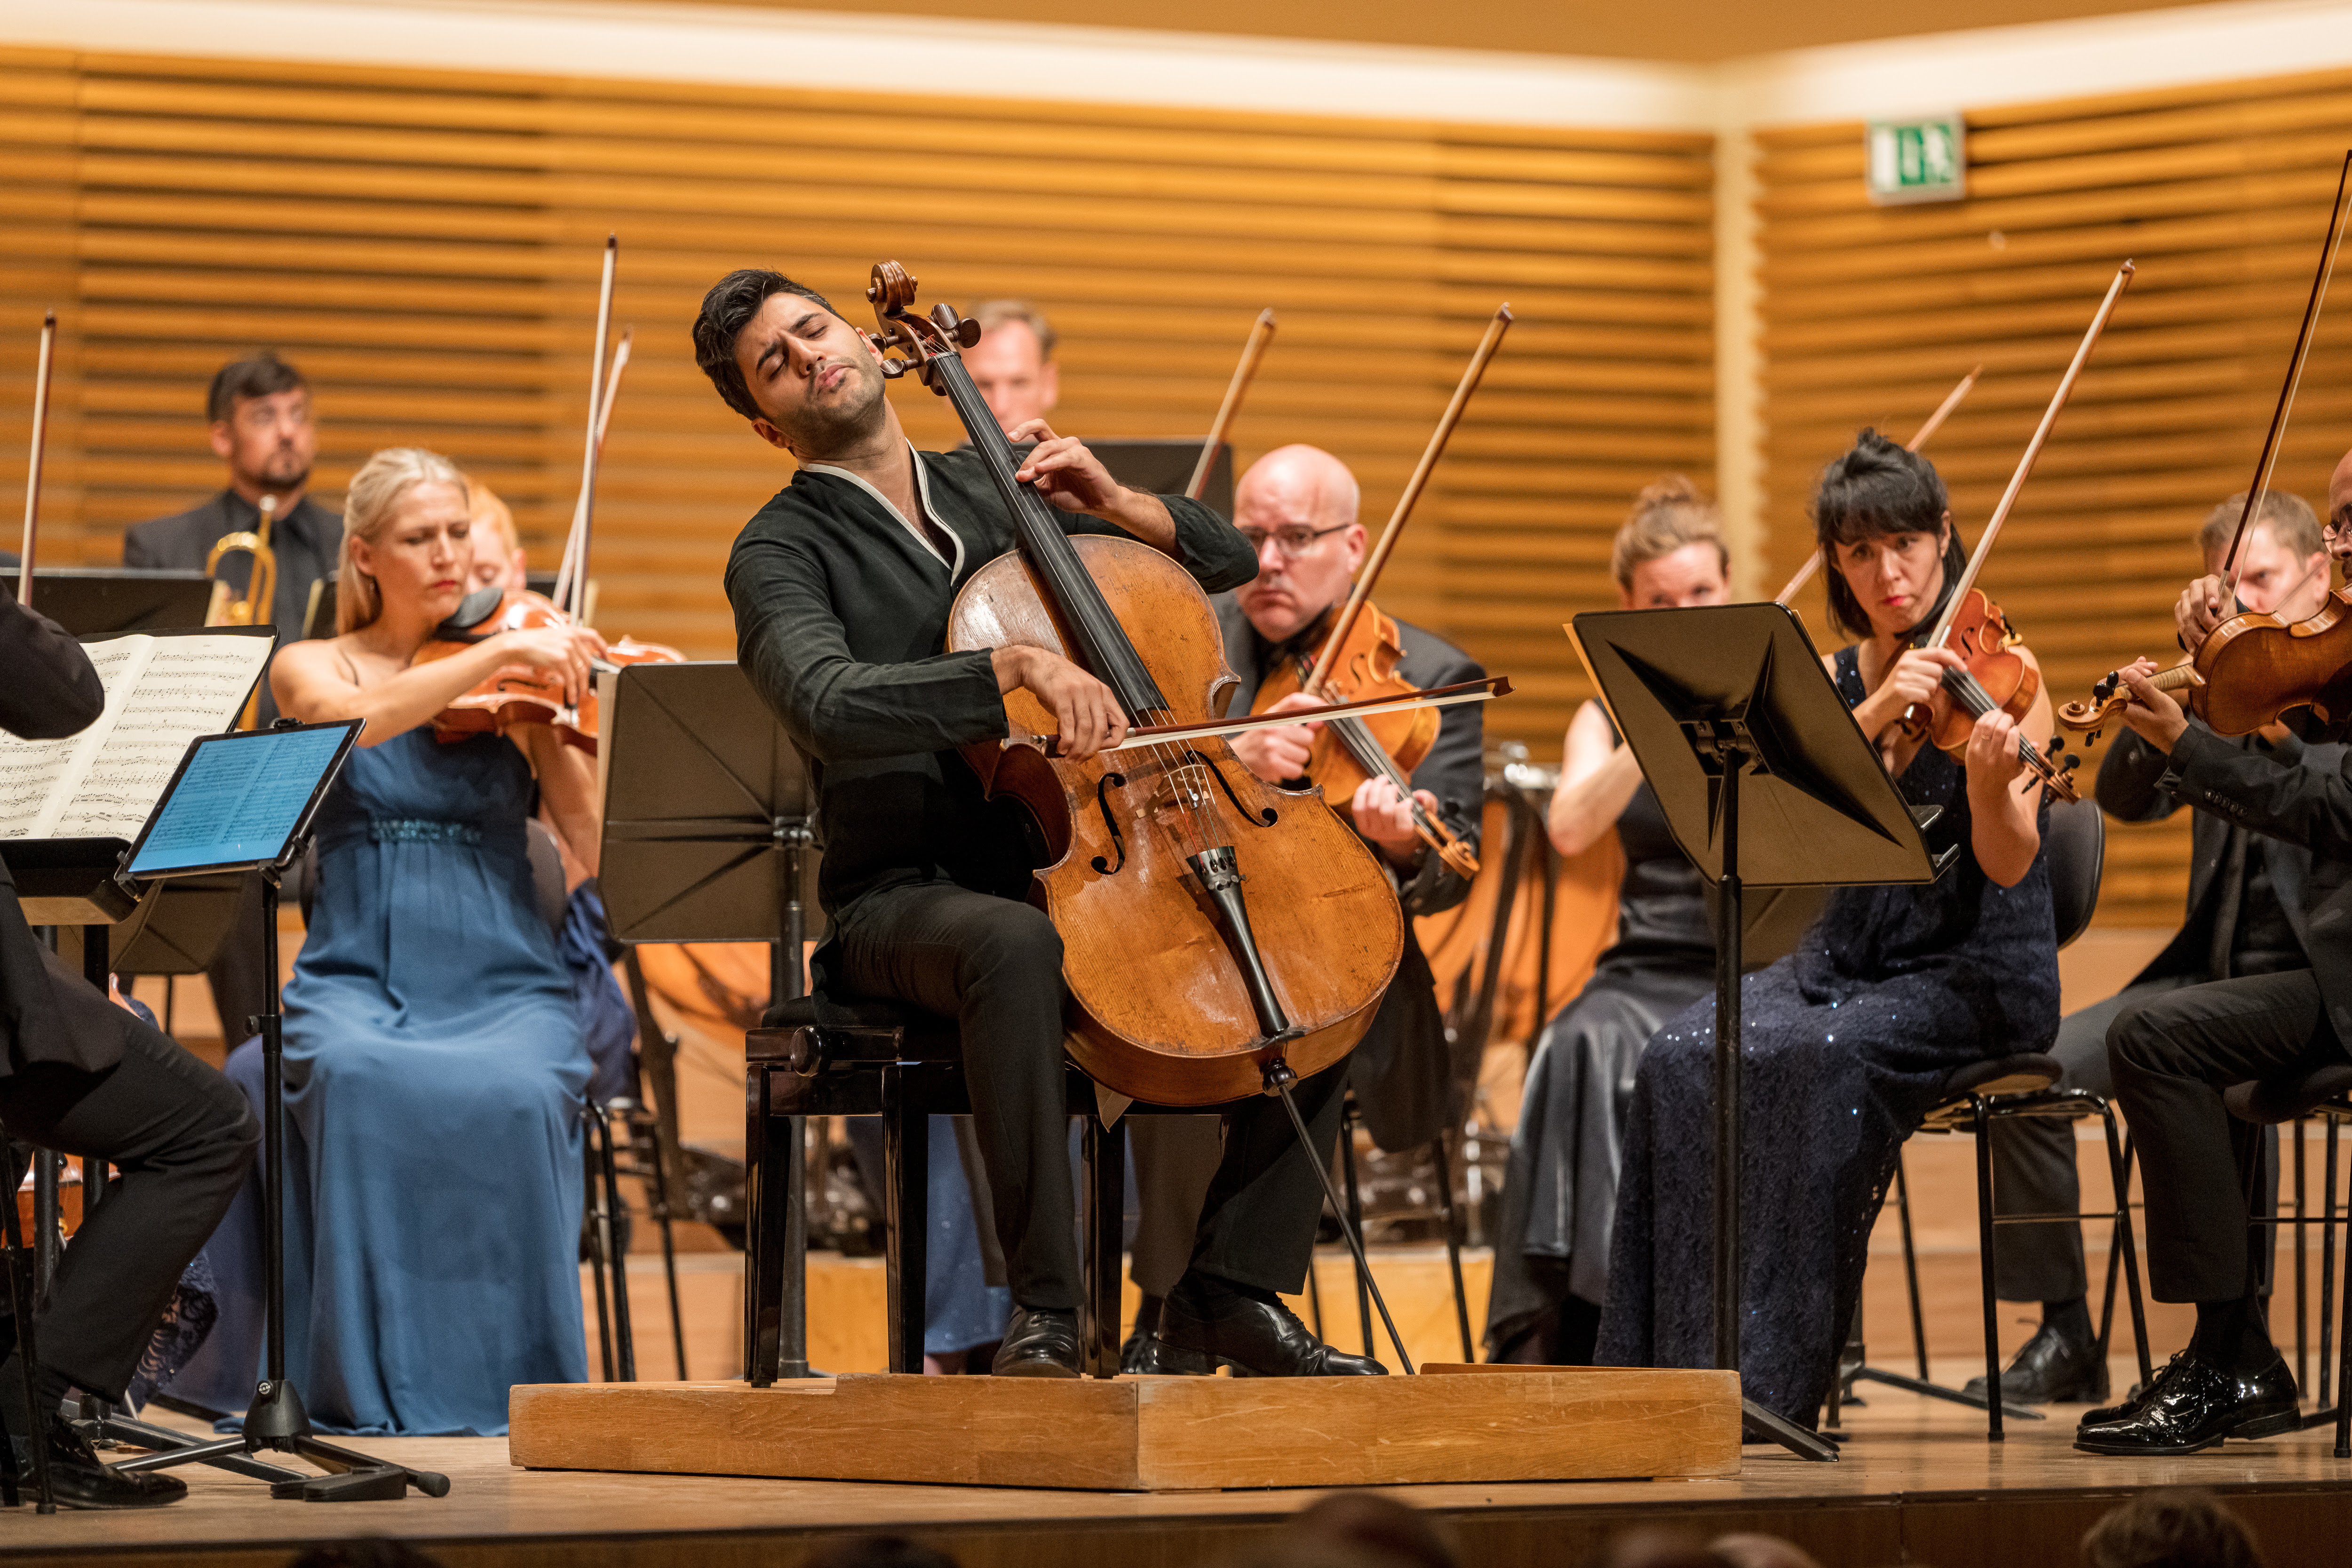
{"x": 1919, "y": 1484}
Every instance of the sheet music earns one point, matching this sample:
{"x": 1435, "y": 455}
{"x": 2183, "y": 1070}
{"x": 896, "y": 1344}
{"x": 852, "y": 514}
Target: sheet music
{"x": 239, "y": 801}
{"x": 38, "y": 777}
{"x": 192, "y": 686}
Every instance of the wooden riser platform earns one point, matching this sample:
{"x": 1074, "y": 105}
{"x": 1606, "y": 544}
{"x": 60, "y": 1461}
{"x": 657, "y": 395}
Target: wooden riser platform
{"x": 1918, "y": 1484}
{"x": 1463, "y": 1425}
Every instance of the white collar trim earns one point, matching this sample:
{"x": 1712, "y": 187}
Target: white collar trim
{"x": 923, "y": 499}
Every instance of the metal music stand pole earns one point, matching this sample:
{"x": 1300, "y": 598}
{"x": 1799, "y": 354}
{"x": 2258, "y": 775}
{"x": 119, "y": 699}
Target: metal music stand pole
{"x": 1716, "y": 702}
{"x": 708, "y": 836}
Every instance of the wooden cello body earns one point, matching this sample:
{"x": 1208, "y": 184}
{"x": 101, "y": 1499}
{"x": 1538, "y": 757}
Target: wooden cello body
{"x": 1217, "y": 931}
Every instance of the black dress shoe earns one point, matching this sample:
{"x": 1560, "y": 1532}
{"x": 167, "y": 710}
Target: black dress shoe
{"x": 1264, "y": 1338}
{"x": 2050, "y": 1370}
{"x": 1039, "y": 1342}
{"x": 79, "y": 1479}
{"x": 2193, "y": 1407}
{"x": 1152, "y": 1356}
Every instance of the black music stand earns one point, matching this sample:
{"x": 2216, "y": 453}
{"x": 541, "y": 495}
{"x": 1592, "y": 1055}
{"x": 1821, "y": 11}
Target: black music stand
{"x": 1729, "y": 712}
{"x": 95, "y": 601}
{"x": 246, "y": 801}
{"x": 709, "y": 837}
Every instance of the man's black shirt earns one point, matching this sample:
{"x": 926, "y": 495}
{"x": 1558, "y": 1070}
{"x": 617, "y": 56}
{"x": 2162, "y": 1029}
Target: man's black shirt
{"x": 841, "y": 614}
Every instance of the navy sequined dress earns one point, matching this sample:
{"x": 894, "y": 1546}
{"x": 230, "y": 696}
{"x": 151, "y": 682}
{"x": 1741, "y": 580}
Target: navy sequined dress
{"x": 1847, "y": 1041}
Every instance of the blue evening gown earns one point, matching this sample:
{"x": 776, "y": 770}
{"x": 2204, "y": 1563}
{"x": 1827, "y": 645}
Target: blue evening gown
{"x": 436, "y": 1070}
{"x": 1846, "y": 1042}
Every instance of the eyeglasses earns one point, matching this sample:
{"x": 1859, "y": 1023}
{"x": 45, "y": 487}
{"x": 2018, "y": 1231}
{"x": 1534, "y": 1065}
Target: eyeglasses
{"x": 1293, "y": 542}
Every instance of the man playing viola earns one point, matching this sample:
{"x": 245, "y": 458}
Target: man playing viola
{"x": 1297, "y": 506}
{"x": 842, "y": 586}
{"x": 2173, "y": 1055}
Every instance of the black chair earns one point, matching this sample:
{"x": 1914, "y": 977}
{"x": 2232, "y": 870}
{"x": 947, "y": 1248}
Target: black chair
{"x": 815, "y": 1057}
{"x": 2025, "y": 1084}
{"x": 2324, "y": 1091}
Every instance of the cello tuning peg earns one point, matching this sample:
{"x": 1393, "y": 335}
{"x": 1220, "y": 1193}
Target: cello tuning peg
{"x": 967, "y": 332}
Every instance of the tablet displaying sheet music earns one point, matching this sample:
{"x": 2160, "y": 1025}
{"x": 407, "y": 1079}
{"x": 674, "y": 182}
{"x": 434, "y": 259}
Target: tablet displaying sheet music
{"x": 242, "y": 799}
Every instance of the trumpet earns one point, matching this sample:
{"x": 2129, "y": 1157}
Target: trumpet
{"x": 254, "y": 606}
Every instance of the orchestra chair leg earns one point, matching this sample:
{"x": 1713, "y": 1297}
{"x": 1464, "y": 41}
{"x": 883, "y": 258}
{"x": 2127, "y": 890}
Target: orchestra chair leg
{"x": 907, "y": 1155}
{"x": 625, "y": 1337}
{"x": 1440, "y": 1148}
{"x": 1101, "y": 1221}
{"x": 2328, "y": 1383}
{"x": 1910, "y": 1266}
{"x": 2302, "y": 1291}
{"x": 1984, "y": 1266}
{"x": 22, "y": 1300}
{"x": 2123, "y": 1250}
{"x": 1355, "y": 1214}
{"x": 763, "y": 1268}
{"x": 600, "y": 1239}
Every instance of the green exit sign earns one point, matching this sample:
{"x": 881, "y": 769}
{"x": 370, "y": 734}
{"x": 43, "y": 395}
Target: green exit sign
{"x": 1921, "y": 159}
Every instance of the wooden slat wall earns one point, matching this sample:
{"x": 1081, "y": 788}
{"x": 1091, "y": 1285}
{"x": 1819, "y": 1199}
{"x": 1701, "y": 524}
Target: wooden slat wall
{"x": 425, "y": 244}
{"x": 2220, "y": 193}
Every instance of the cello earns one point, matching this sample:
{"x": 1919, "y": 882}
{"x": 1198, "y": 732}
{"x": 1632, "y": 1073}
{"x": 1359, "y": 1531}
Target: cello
{"x": 1223, "y": 937}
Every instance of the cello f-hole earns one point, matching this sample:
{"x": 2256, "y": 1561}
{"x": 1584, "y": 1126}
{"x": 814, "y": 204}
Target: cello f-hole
{"x": 1266, "y": 818}
{"x": 1103, "y": 786}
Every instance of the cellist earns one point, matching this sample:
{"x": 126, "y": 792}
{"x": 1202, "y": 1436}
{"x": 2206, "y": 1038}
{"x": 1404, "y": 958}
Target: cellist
{"x": 842, "y": 585}
{"x": 1297, "y": 506}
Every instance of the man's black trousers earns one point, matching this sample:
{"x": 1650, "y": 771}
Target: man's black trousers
{"x": 2173, "y": 1055}
{"x": 994, "y": 965}
{"x": 181, "y": 1137}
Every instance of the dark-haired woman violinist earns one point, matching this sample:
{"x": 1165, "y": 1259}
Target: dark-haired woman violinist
{"x": 1848, "y": 1040}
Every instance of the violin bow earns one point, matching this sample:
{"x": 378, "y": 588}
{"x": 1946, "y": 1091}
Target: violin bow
{"x": 2233, "y": 567}
{"x": 1254, "y": 350}
{"x": 1934, "y": 422}
{"x": 1496, "y": 328}
{"x": 1960, "y": 590}
{"x": 1481, "y": 690}
{"x": 33, "y": 466}
{"x": 570, "y": 576}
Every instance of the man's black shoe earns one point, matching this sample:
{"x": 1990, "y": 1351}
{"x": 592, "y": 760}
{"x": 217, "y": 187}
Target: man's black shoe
{"x": 1039, "y": 1342}
{"x": 2193, "y": 1407}
{"x": 1205, "y": 1314}
{"x": 1148, "y": 1356}
{"x": 2050, "y": 1370}
{"x": 81, "y": 1479}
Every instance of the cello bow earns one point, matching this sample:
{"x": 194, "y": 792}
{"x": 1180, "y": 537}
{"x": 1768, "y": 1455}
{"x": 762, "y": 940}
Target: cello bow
{"x": 33, "y": 465}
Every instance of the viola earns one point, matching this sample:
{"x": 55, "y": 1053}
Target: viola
{"x": 1348, "y": 751}
{"x": 1220, "y": 933}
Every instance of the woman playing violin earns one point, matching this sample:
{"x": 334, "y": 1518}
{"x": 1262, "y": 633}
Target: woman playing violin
{"x": 434, "y": 1052}
{"x": 1848, "y": 1040}
{"x": 1560, "y": 1193}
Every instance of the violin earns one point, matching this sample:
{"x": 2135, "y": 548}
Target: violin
{"x": 1994, "y": 673}
{"x": 519, "y": 694}
{"x": 1360, "y": 655}
{"x": 2253, "y": 667}
{"x": 1220, "y": 933}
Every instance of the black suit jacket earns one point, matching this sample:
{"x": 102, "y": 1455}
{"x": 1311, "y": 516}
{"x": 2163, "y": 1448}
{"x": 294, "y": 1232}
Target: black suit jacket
{"x": 50, "y": 691}
{"x": 2136, "y": 784}
{"x": 2306, "y": 805}
{"x": 306, "y": 541}
{"x": 1401, "y": 1068}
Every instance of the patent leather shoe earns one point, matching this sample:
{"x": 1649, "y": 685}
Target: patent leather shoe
{"x": 2194, "y": 1406}
{"x": 79, "y": 1479}
{"x": 1207, "y": 1316}
{"x": 2050, "y": 1370}
{"x": 1148, "y": 1356}
{"x": 1039, "y": 1342}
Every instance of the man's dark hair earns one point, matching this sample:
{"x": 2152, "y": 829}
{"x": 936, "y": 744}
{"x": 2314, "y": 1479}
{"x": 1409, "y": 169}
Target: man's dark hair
{"x": 1877, "y": 489}
{"x": 727, "y": 309}
{"x": 256, "y": 375}
{"x": 2176, "y": 1528}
